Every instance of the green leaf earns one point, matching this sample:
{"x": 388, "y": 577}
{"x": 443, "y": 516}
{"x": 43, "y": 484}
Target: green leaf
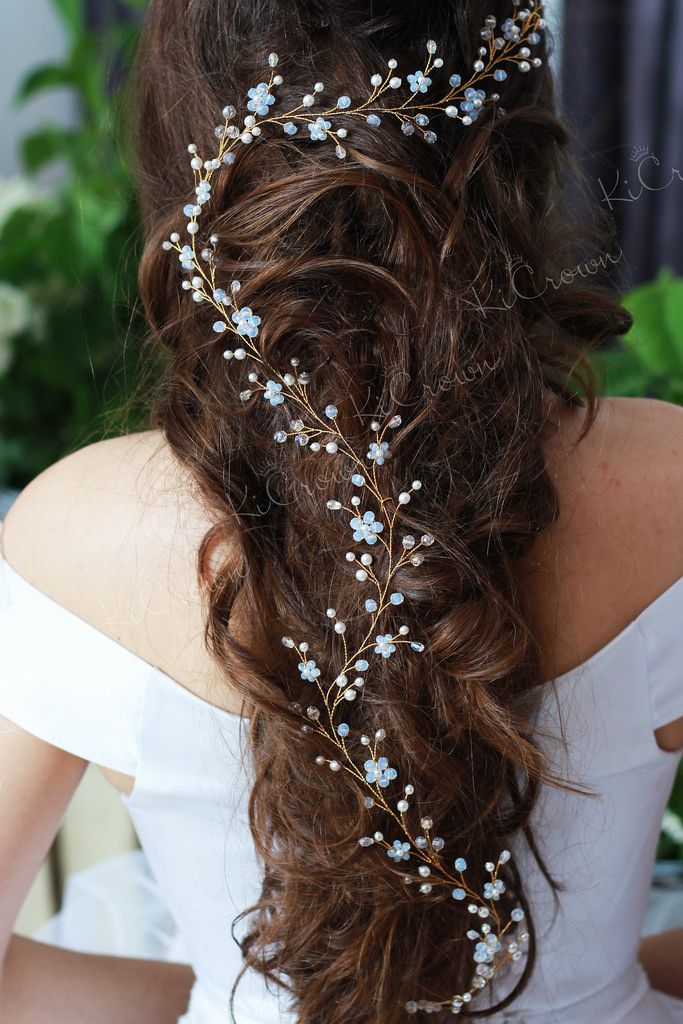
{"x": 45, "y": 145}
{"x": 72, "y": 13}
{"x": 673, "y": 314}
{"x": 650, "y": 337}
{"x": 47, "y": 76}
{"x": 625, "y": 375}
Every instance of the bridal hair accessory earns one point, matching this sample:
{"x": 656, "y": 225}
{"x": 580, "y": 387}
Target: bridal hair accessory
{"x": 373, "y": 517}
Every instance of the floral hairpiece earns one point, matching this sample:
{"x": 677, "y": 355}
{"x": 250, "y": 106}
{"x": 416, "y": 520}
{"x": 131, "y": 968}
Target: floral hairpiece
{"x": 496, "y": 942}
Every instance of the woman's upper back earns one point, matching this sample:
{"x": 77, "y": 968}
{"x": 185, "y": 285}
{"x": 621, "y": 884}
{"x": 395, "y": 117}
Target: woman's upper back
{"x": 110, "y": 535}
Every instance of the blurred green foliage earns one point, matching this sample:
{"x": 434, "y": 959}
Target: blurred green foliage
{"x": 70, "y": 328}
{"x": 649, "y": 361}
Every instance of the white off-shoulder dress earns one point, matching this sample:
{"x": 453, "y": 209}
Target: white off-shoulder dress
{"x": 72, "y": 686}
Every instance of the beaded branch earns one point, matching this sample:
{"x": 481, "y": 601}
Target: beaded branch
{"x": 496, "y": 941}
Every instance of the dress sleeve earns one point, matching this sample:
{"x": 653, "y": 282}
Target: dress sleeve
{"x": 661, "y": 625}
{"x": 64, "y": 681}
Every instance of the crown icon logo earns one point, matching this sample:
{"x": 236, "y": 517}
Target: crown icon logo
{"x": 638, "y": 152}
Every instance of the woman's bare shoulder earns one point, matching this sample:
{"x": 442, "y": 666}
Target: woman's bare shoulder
{"x": 618, "y": 542}
{"x": 111, "y": 532}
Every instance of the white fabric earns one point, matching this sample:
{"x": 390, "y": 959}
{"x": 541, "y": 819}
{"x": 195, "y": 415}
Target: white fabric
{"x": 78, "y": 689}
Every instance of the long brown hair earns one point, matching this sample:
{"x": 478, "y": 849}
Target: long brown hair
{"x": 401, "y": 277}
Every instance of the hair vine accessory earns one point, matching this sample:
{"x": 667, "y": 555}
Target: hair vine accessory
{"x": 373, "y": 515}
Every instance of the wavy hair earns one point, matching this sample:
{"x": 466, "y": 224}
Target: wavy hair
{"x": 398, "y": 277}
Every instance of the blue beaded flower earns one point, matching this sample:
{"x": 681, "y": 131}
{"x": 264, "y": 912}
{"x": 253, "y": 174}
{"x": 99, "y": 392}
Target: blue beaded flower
{"x": 494, "y": 890}
{"x": 385, "y": 645}
{"x": 186, "y": 257}
{"x": 485, "y": 951}
{"x": 309, "y": 671}
{"x": 366, "y": 528}
{"x": 247, "y": 323}
{"x": 419, "y": 82}
{"x": 399, "y": 851}
{"x": 378, "y": 452}
{"x": 273, "y": 393}
{"x": 260, "y": 99}
{"x": 379, "y": 773}
{"x": 510, "y": 29}
{"x": 319, "y": 128}
{"x": 473, "y": 102}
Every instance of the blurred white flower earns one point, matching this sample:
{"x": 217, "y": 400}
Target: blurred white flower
{"x": 18, "y": 313}
{"x": 672, "y": 826}
{"x": 15, "y": 192}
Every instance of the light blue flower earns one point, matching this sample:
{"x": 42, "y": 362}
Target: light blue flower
{"x": 419, "y": 82}
{"x": 378, "y": 452}
{"x": 366, "y": 528}
{"x": 273, "y": 393}
{"x": 494, "y": 890}
{"x": 290, "y": 128}
{"x": 379, "y": 773}
{"x": 319, "y": 128}
{"x": 186, "y": 257}
{"x": 260, "y": 99}
{"x": 399, "y": 851}
{"x": 309, "y": 671}
{"x": 510, "y": 29}
{"x": 385, "y": 645}
{"x": 485, "y": 951}
{"x": 247, "y": 323}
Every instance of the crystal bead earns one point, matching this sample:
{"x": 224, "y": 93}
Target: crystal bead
{"x": 402, "y": 806}
{"x": 334, "y": 505}
{"x": 313, "y": 713}
{"x": 426, "y": 888}
{"x": 366, "y": 841}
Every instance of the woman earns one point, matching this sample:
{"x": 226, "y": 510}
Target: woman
{"x": 375, "y": 524}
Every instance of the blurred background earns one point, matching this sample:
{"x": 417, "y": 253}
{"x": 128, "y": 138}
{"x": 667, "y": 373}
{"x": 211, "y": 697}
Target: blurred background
{"x": 70, "y": 326}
